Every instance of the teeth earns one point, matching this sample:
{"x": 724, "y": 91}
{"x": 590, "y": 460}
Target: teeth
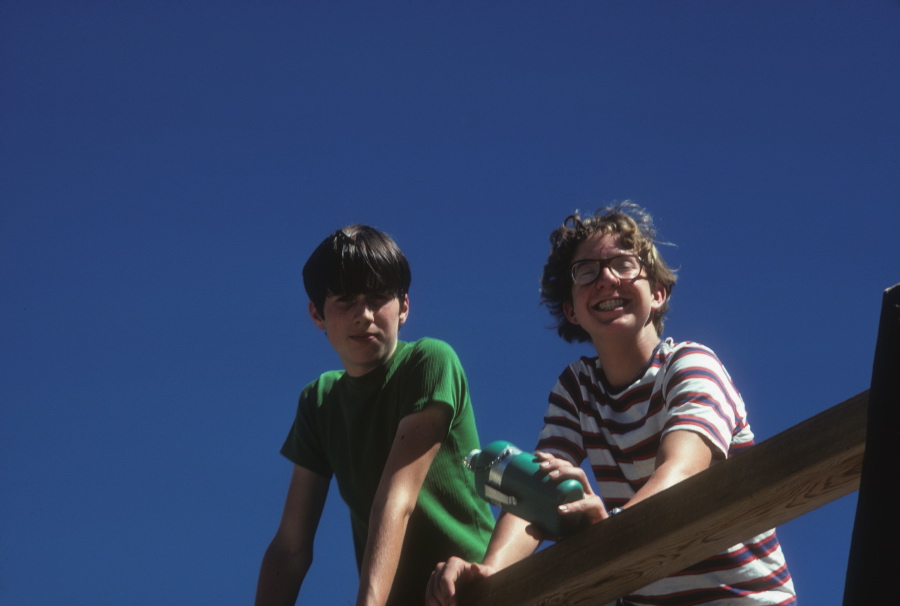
{"x": 610, "y": 304}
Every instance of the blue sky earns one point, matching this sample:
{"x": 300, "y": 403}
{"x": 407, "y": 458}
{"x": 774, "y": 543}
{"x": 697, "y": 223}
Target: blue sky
{"x": 167, "y": 167}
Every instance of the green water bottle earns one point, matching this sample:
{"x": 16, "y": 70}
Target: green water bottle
{"x": 512, "y": 480}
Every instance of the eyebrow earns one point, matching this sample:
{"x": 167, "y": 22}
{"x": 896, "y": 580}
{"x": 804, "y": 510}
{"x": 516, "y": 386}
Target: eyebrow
{"x": 629, "y": 253}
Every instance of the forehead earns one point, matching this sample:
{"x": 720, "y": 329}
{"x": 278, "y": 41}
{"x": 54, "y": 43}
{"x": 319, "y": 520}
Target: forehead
{"x": 599, "y": 246}
{"x": 364, "y": 293}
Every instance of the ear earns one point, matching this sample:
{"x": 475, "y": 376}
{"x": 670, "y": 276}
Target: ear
{"x": 404, "y": 309}
{"x": 658, "y": 296}
{"x": 570, "y": 312}
{"x": 316, "y": 317}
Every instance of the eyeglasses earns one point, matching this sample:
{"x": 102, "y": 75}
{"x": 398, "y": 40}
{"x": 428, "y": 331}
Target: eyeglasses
{"x": 623, "y": 267}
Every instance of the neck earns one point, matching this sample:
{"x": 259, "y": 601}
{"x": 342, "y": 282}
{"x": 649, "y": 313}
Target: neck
{"x": 622, "y": 362}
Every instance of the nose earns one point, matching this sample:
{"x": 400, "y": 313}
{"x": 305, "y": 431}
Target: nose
{"x": 364, "y": 311}
{"x": 606, "y": 276}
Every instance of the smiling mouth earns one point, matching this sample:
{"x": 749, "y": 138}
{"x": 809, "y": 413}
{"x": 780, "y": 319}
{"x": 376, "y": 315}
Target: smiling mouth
{"x": 609, "y": 304}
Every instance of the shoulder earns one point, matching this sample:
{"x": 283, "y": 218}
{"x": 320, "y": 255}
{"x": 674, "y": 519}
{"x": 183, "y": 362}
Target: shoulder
{"x": 319, "y": 388}
{"x": 425, "y": 349}
{"x": 689, "y": 361}
{"x": 670, "y": 345}
{"x": 683, "y": 352}
{"x": 427, "y": 371}
{"x": 326, "y": 380}
{"x": 430, "y": 345}
{"x": 583, "y": 366}
{"x": 580, "y": 374}
{"x": 425, "y": 362}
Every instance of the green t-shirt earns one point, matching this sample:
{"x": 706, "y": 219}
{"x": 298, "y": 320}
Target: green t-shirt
{"x": 346, "y": 425}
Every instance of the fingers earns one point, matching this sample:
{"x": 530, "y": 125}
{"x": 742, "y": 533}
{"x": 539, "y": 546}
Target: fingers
{"x": 441, "y": 591}
{"x": 551, "y": 463}
{"x": 433, "y": 597}
{"x": 561, "y": 469}
{"x": 435, "y": 593}
{"x": 448, "y": 577}
{"x": 591, "y": 506}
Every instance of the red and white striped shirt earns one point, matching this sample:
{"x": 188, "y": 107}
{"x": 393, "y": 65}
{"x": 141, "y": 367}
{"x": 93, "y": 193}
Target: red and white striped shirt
{"x": 684, "y": 387}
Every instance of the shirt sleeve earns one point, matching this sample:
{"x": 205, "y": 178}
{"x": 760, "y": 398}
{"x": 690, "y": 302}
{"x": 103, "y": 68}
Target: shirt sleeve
{"x": 303, "y": 444}
{"x": 434, "y": 375}
{"x": 701, "y": 397}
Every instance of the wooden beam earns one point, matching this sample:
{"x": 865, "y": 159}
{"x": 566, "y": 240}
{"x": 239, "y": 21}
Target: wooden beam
{"x": 777, "y": 480}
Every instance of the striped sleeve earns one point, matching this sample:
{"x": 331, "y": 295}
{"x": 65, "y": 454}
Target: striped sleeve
{"x": 701, "y": 397}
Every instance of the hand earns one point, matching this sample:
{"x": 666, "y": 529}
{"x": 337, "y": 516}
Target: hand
{"x": 591, "y": 507}
{"x": 449, "y": 577}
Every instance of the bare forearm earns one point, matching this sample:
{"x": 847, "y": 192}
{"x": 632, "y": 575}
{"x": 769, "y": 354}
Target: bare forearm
{"x": 509, "y": 543}
{"x": 682, "y": 455}
{"x": 383, "y": 546}
{"x": 656, "y": 483}
{"x": 280, "y": 576}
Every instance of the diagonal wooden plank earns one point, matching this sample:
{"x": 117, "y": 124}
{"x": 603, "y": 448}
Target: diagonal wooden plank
{"x": 792, "y": 473}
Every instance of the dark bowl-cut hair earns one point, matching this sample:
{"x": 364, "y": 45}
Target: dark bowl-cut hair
{"x": 633, "y": 226}
{"x": 354, "y": 260}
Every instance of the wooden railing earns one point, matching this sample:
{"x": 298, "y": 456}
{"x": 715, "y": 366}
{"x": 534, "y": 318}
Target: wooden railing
{"x": 790, "y": 474}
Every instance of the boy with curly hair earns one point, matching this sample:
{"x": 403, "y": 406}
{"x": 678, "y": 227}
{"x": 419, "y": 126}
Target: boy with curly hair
{"x": 645, "y": 412}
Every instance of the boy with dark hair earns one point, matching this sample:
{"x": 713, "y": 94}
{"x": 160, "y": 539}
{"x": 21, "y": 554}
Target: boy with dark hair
{"x": 393, "y": 428}
{"x": 646, "y": 413}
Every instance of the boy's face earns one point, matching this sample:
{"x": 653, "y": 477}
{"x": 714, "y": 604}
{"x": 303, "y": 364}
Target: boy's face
{"x": 612, "y": 308}
{"x": 362, "y": 328}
